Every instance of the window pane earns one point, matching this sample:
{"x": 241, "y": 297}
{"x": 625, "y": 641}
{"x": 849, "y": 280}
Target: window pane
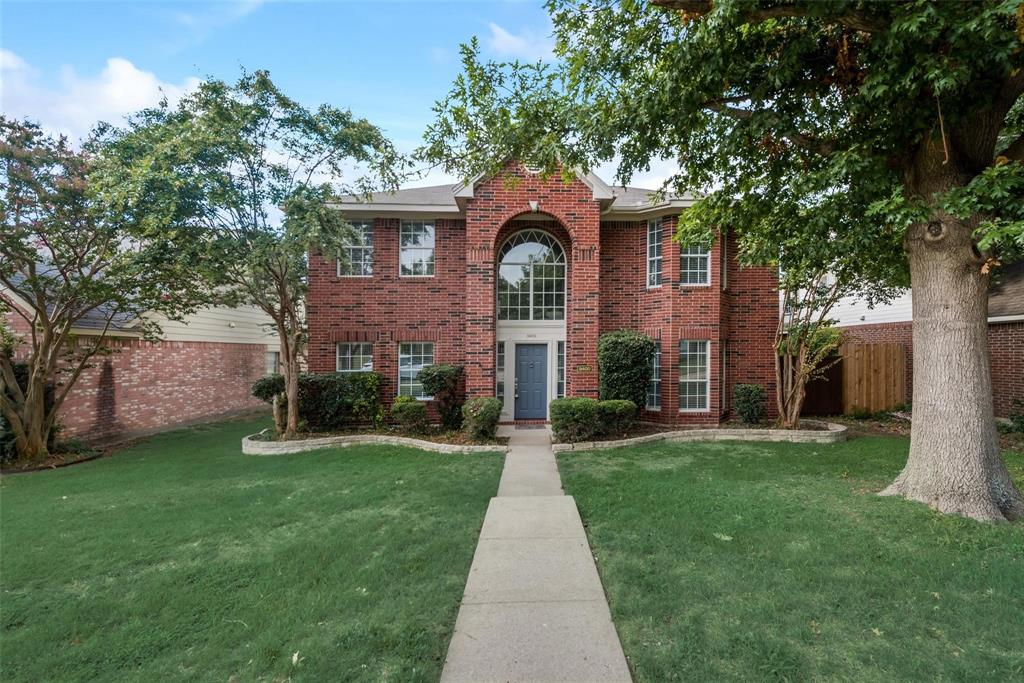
{"x": 654, "y": 388}
{"x": 531, "y": 278}
{"x": 356, "y": 257}
{"x": 416, "y": 253}
{"x": 654, "y": 246}
{"x": 693, "y": 375}
{"x": 355, "y": 357}
{"x": 693, "y": 265}
{"x": 413, "y": 357}
{"x": 561, "y": 370}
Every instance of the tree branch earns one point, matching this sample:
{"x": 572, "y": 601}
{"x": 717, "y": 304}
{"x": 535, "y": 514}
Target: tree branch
{"x": 801, "y": 140}
{"x": 859, "y": 21}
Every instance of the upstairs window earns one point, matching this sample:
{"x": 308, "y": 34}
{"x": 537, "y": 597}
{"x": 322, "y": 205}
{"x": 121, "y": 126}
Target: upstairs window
{"x": 356, "y": 258}
{"x": 694, "y": 266}
{"x": 416, "y": 249}
{"x": 654, "y": 235}
{"x": 531, "y": 277}
{"x": 354, "y": 357}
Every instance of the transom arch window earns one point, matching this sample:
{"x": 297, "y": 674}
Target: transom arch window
{"x": 531, "y": 277}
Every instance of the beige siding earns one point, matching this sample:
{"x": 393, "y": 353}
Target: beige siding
{"x": 244, "y": 325}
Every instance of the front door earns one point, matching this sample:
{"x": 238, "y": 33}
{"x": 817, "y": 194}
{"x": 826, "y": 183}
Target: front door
{"x": 531, "y": 381}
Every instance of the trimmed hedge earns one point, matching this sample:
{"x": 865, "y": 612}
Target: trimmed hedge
{"x": 480, "y": 417}
{"x": 615, "y": 416}
{"x": 329, "y": 401}
{"x": 749, "y": 400}
{"x": 574, "y": 419}
{"x": 442, "y": 382}
{"x": 624, "y": 362}
{"x": 410, "y": 414}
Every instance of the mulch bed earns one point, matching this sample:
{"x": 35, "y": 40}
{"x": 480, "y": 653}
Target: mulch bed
{"x": 456, "y": 438}
{"x": 53, "y": 462}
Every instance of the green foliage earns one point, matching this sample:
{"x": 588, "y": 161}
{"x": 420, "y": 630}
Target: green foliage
{"x": 748, "y": 400}
{"x": 480, "y": 417}
{"x": 574, "y": 419}
{"x": 1017, "y": 416}
{"x": 615, "y": 416}
{"x": 442, "y": 381}
{"x": 328, "y": 401}
{"x": 624, "y": 360}
{"x": 410, "y": 414}
{"x": 805, "y": 126}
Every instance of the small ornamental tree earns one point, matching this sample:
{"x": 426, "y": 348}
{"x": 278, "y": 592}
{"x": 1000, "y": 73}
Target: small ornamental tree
{"x": 624, "y": 363}
{"x": 904, "y": 120}
{"x": 74, "y": 256}
{"x": 259, "y": 171}
{"x": 442, "y": 381}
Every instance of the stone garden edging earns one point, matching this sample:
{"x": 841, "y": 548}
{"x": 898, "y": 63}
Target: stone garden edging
{"x": 833, "y": 433}
{"x": 252, "y": 446}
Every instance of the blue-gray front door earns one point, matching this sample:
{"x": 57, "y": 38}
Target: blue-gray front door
{"x": 531, "y": 381}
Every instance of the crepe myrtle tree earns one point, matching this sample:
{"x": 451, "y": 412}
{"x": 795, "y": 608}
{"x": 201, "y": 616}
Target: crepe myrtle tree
{"x": 258, "y": 171}
{"x": 72, "y": 258}
{"x": 909, "y": 112}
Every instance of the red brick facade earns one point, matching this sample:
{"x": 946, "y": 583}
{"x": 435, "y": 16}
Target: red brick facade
{"x": 606, "y": 289}
{"x": 145, "y": 387}
{"x": 1005, "y": 348}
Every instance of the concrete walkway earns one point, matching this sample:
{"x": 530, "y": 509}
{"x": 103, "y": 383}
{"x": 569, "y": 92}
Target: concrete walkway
{"x": 533, "y": 608}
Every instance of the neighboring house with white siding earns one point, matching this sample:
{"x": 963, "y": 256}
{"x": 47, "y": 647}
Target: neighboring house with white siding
{"x": 201, "y": 369}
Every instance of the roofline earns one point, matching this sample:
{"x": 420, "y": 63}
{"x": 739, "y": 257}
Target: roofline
{"x": 130, "y": 329}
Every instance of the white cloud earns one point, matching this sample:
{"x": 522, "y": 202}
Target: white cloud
{"x": 196, "y": 26}
{"x": 78, "y": 102}
{"x": 526, "y": 45}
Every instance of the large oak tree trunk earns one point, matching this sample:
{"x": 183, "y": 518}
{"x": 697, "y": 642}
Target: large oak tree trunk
{"x": 954, "y": 464}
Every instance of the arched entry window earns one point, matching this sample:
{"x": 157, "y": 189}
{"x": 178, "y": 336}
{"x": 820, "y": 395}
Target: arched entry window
{"x": 531, "y": 277}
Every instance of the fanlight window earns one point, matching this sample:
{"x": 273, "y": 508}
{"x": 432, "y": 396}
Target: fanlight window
{"x": 531, "y": 277}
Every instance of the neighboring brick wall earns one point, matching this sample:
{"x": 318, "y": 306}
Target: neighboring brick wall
{"x": 1005, "y": 347}
{"x": 144, "y": 387}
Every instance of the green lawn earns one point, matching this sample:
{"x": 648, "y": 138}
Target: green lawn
{"x": 182, "y": 559}
{"x": 738, "y": 561}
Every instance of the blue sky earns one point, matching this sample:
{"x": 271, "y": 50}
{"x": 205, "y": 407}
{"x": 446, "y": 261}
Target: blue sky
{"x": 69, "y": 64}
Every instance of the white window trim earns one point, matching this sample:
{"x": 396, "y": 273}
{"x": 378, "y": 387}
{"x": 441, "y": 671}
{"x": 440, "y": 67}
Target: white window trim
{"x": 707, "y": 380}
{"x": 399, "y": 369}
{"x": 369, "y": 247}
{"x": 337, "y": 357}
{"x": 433, "y": 224}
{"x": 660, "y": 258}
{"x": 694, "y": 285}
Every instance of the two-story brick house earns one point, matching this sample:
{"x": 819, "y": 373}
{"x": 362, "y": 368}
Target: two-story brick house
{"x": 516, "y": 276}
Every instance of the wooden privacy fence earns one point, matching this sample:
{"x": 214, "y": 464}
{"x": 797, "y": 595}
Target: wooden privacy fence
{"x": 874, "y": 377}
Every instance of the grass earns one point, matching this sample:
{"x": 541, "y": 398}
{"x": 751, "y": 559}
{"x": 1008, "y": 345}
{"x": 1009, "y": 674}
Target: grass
{"x": 181, "y": 559}
{"x": 739, "y": 561}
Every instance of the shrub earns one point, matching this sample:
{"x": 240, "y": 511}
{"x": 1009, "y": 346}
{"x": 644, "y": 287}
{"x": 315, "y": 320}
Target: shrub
{"x": 748, "y": 400}
{"x": 410, "y": 414}
{"x": 624, "y": 362}
{"x": 480, "y": 417}
{"x": 328, "y": 401}
{"x": 442, "y": 382}
{"x": 1017, "y": 415}
{"x": 574, "y": 419}
{"x": 615, "y": 416}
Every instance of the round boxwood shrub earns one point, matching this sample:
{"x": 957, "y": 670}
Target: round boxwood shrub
{"x": 748, "y": 401}
{"x": 480, "y": 417}
{"x": 442, "y": 382}
{"x": 616, "y": 416}
{"x": 574, "y": 419}
{"x": 410, "y": 414}
{"x": 624, "y": 362}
